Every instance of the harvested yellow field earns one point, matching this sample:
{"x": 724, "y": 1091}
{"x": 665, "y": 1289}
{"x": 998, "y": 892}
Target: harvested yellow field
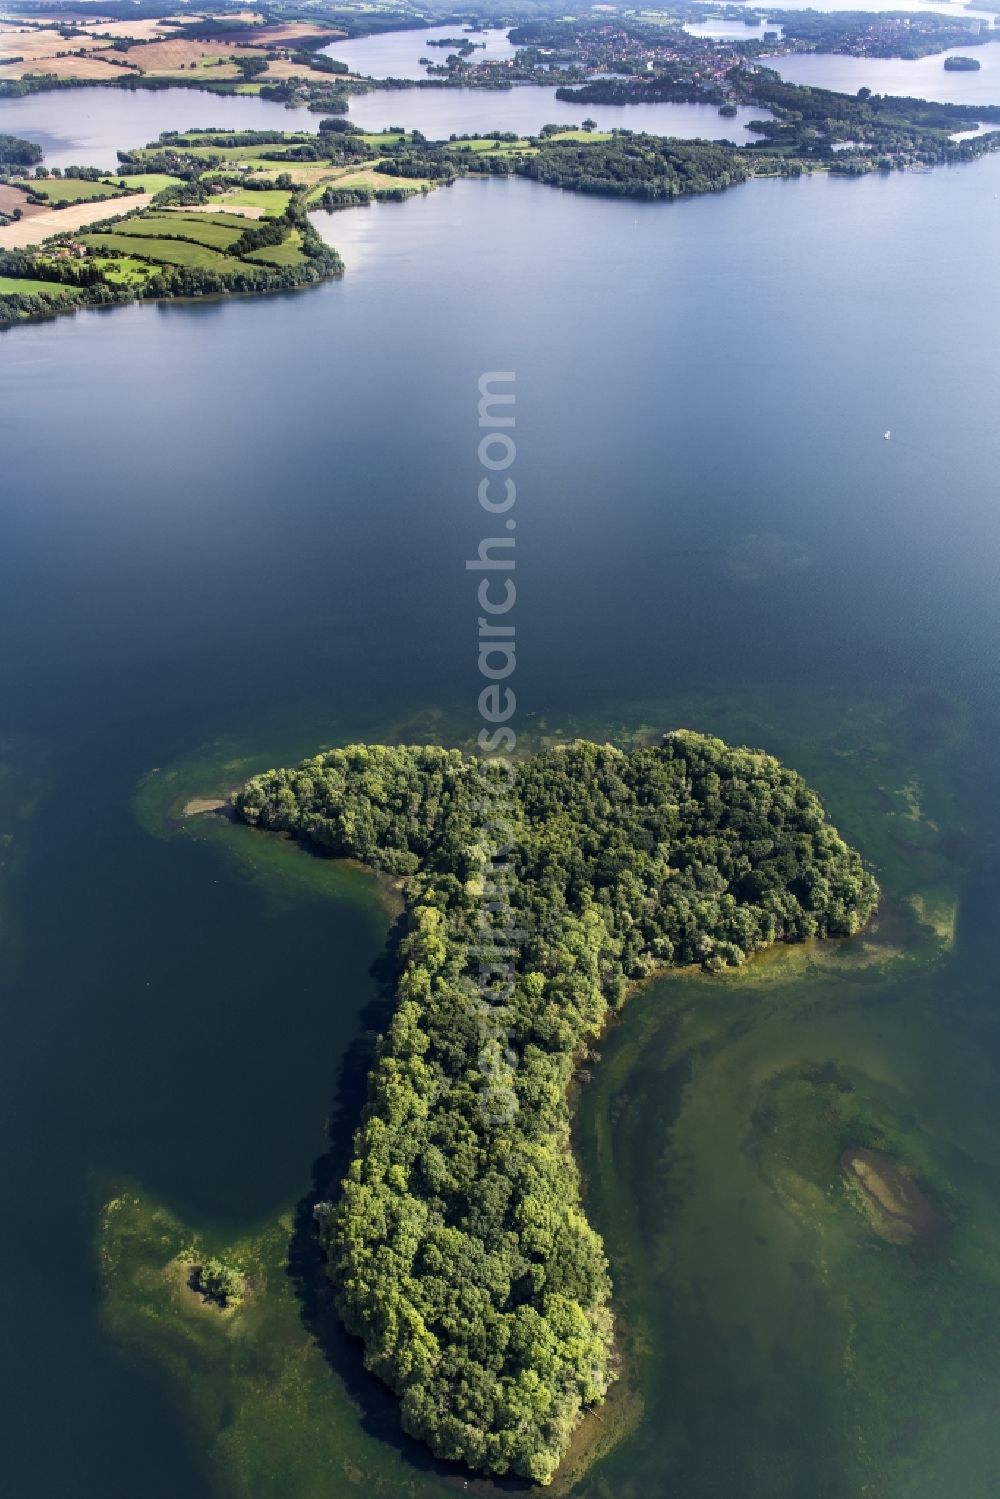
{"x": 292, "y": 32}
{"x": 91, "y": 68}
{"x": 136, "y": 31}
{"x": 66, "y": 220}
{"x": 42, "y": 51}
{"x": 285, "y": 69}
{"x": 173, "y": 56}
{"x": 31, "y": 42}
{"x": 15, "y": 197}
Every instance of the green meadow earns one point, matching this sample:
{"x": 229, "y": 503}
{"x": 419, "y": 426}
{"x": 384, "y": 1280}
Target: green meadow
{"x": 216, "y": 231}
{"x": 148, "y": 182}
{"x": 174, "y": 252}
{"x": 69, "y": 189}
{"x": 288, "y": 253}
{"x": 13, "y": 286}
{"x": 124, "y": 270}
{"x": 486, "y": 145}
{"x": 271, "y": 200}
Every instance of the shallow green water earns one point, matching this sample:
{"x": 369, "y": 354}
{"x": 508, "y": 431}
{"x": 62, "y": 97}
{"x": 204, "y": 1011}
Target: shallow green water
{"x": 236, "y": 532}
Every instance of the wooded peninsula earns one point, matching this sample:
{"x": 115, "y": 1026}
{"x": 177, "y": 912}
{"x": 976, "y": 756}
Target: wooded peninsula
{"x": 215, "y": 212}
{"x": 458, "y": 1247}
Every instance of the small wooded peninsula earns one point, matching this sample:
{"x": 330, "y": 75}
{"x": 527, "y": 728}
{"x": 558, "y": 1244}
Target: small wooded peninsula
{"x": 538, "y": 891}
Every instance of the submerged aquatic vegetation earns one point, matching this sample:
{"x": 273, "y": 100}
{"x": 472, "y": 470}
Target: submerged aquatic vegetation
{"x": 459, "y": 1248}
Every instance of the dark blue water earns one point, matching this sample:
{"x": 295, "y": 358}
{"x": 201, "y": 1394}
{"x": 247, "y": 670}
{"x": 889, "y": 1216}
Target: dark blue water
{"x": 248, "y": 520}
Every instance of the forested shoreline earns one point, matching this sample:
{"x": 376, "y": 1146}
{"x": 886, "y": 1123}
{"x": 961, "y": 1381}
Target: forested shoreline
{"x": 458, "y": 1249}
{"x": 341, "y": 166}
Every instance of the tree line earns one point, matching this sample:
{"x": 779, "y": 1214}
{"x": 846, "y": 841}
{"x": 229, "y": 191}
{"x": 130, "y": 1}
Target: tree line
{"x": 458, "y": 1247}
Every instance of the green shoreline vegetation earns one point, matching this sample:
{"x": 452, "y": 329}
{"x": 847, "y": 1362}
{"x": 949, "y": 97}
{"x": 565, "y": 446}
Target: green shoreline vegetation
{"x": 459, "y": 1250}
{"x": 134, "y": 255}
{"x": 682, "y": 1206}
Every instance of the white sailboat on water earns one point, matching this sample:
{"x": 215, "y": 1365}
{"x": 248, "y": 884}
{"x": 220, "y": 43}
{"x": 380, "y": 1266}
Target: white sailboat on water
{"x": 888, "y": 436}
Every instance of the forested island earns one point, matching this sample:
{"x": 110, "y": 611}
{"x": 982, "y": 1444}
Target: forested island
{"x": 458, "y": 1248}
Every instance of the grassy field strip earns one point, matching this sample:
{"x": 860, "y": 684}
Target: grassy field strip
{"x": 248, "y": 213}
{"x": 147, "y": 182}
{"x": 364, "y": 176}
{"x": 11, "y": 286}
{"x": 176, "y": 252}
{"x": 287, "y": 253}
{"x": 200, "y": 141}
{"x": 201, "y": 227}
{"x": 51, "y": 221}
{"x": 68, "y": 189}
{"x": 124, "y": 270}
{"x": 239, "y": 153}
{"x": 485, "y": 145}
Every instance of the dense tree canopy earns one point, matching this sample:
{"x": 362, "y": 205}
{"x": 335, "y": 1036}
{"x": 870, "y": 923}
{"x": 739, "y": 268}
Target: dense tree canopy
{"x": 638, "y": 166}
{"x": 219, "y": 1282}
{"x": 15, "y": 152}
{"x": 459, "y": 1248}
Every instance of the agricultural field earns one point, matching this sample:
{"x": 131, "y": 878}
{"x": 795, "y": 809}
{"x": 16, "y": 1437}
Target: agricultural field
{"x": 201, "y": 149}
{"x": 288, "y": 253}
{"x": 370, "y": 180}
{"x": 97, "y": 51}
{"x": 27, "y": 48}
{"x": 214, "y": 231}
{"x": 171, "y": 58}
{"x": 13, "y": 199}
{"x": 294, "y": 33}
{"x": 124, "y": 270}
{"x": 88, "y": 68}
{"x": 267, "y": 200}
{"x": 147, "y": 182}
{"x": 45, "y": 223}
{"x": 24, "y": 286}
{"x": 69, "y": 189}
{"x": 163, "y": 251}
{"x": 242, "y": 233}
{"x": 485, "y": 145}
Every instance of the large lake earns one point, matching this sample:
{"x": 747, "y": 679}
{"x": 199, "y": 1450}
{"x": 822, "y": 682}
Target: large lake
{"x": 526, "y": 108}
{"x": 89, "y": 126}
{"x": 233, "y": 532}
{"x": 920, "y": 78}
{"x": 397, "y": 54}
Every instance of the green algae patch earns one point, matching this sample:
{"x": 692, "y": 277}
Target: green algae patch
{"x": 938, "y": 912}
{"x": 749, "y": 1286}
{"x": 257, "y": 1388}
{"x": 274, "y": 1419}
{"x": 842, "y": 1327}
{"x": 192, "y": 800}
{"x": 825, "y": 1134}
